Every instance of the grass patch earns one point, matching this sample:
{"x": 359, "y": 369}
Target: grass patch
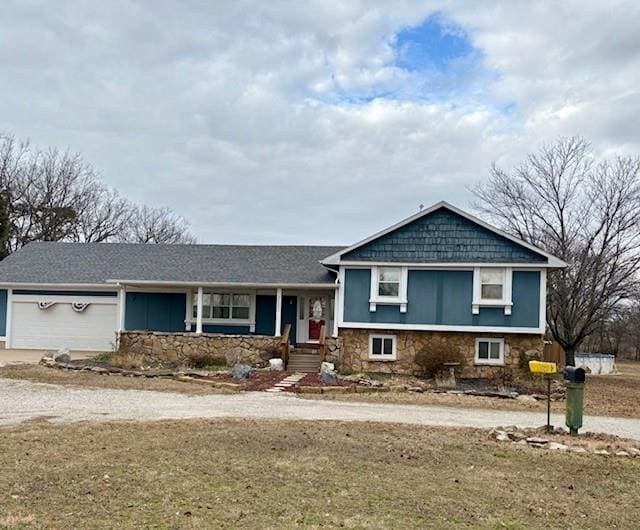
{"x": 605, "y": 395}
{"x": 276, "y": 474}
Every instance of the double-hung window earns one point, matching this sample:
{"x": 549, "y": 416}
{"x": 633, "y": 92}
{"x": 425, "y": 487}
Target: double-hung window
{"x": 489, "y": 351}
{"x": 492, "y": 288}
{"x": 492, "y": 284}
{"x": 388, "y": 286}
{"x": 223, "y": 306}
{"x": 389, "y": 282}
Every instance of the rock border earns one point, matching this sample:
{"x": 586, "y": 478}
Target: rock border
{"x": 360, "y": 386}
{"x": 525, "y": 438}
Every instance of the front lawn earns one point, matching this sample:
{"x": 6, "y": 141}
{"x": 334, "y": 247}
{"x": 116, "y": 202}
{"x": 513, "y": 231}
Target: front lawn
{"x": 276, "y": 474}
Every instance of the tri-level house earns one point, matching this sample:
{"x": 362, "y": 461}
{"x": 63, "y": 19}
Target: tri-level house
{"x": 371, "y": 306}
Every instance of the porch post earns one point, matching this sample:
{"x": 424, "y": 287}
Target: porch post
{"x": 278, "y": 331}
{"x": 122, "y": 300}
{"x": 199, "y": 312}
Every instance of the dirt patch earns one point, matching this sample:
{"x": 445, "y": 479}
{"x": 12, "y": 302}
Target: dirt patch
{"x": 275, "y": 474}
{"x": 41, "y": 374}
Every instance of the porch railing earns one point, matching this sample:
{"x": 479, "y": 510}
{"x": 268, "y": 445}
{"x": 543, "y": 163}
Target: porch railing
{"x": 284, "y": 345}
{"x": 322, "y": 350}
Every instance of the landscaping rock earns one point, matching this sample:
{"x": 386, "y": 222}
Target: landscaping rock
{"x": 580, "y": 450}
{"x": 327, "y": 367}
{"x": 633, "y": 451}
{"x": 417, "y": 389}
{"x": 526, "y": 398}
{"x": 503, "y": 437}
{"x": 555, "y": 446}
{"x": 48, "y": 356}
{"x": 62, "y": 356}
{"x": 241, "y": 371}
{"x": 276, "y": 365}
{"x": 603, "y": 452}
{"x": 622, "y": 453}
{"x": 329, "y": 378}
{"x": 534, "y": 440}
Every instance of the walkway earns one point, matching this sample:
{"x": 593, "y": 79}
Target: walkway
{"x": 23, "y": 400}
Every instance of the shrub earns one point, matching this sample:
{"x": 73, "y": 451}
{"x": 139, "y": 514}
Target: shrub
{"x": 126, "y": 360}
{"x": 200, "y": 359}
{"x": 436, "y": 353}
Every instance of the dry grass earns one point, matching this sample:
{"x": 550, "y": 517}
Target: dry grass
{"x": 250, "y": 474}
{"x": 40, "y": 374}
{"x": 605, "y": 395}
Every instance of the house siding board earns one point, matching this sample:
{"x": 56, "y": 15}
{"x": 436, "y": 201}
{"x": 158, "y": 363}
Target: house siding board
{"x": 155, "y": 311}
{"x": 526, "y": 299}
{"x": 442, "y": 297}
{"x": 265, "y": 315}
{"x": 289, "y": 315}
{"x": 443, "y": 237}
{"x": 227, "y": 329}
{"x": 3, "y": 312}
{"x": 357, "y": 288}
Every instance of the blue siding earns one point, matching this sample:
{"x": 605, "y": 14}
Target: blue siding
{"x": 443, "y": 236}
{"x": 357, "y": 289}
{"x": 225, "y": 329}
{"x": 289, "y": 315}
{"x": 3, "y": 312}
{"x": 155, "y": 311}
{"x": 442, "y": 298}
{"x": 265, "y": 314}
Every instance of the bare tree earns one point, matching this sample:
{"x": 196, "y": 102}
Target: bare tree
{"x": 57, "y": 196}
{"x": 157, "y": 225}
{"x": 586, "y": 212}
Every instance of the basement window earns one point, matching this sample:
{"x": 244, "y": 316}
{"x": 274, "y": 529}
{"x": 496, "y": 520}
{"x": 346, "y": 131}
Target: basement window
{"x": 382, "y": 347}
{"x": 490, "y": 351}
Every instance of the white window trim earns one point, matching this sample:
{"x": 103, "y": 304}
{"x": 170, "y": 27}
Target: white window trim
{"x": 506, "y": 302}
{"x": 251, "y": 321}
{"x": 491, "y": 362}
{"x": 383, "y": 358}
{"x": 401, "y": 299}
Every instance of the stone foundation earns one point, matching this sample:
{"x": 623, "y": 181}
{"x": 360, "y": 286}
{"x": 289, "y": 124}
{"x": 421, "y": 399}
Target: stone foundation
{"x": 181, "y": 348}
{"x": 354, "y": 351}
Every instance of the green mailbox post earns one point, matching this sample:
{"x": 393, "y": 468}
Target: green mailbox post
{"x": 574, "y": 379}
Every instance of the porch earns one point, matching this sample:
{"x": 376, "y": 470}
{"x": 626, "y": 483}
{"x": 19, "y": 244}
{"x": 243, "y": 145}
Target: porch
{"x": 233, "y": 324}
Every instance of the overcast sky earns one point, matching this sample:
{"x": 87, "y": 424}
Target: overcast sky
{"x": 316, "y": 121}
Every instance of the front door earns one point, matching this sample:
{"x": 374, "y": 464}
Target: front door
{"x": 316, "y": 316}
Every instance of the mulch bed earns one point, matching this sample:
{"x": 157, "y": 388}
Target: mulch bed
{"x": 259, "y": 381}
{"x": 314, "y": 380}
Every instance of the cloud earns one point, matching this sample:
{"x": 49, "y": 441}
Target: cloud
{"x": 280, "y": 122}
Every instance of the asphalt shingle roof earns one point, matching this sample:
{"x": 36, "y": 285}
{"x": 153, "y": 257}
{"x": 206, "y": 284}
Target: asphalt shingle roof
{"x": 94, "y": 263}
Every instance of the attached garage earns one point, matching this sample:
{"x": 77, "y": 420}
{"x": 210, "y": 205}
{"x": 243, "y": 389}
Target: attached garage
{"x": 54, "y": 321}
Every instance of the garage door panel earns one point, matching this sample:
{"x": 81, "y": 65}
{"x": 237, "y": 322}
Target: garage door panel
{"x": 59, "y": 326}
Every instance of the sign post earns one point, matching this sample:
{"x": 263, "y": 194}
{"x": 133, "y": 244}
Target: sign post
{"x": 546, "y": 370}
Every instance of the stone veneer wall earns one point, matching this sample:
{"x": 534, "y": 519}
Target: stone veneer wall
{"x": 178, "y": 348}
{"x": 354, "y": 354}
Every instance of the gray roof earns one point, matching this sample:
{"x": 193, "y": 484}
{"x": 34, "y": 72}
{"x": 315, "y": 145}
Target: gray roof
{"x": 95, "y": 263}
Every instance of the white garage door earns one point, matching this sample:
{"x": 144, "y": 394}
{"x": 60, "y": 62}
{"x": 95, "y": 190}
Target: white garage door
{"x": 60, "y": 326}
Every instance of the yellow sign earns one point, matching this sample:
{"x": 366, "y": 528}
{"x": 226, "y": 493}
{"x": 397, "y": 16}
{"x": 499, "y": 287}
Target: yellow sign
{"x": 540, "y": 367}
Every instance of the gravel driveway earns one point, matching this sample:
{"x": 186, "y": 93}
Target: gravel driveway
{"x": 23, "y": 400}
